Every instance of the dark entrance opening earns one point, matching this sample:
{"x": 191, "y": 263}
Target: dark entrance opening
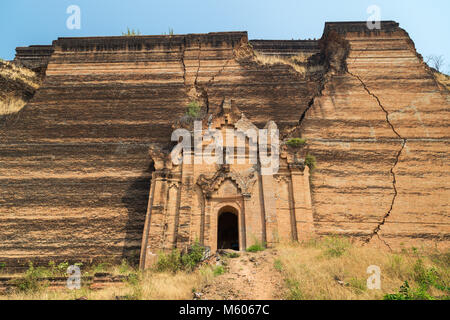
{"x": 227, "y": 231}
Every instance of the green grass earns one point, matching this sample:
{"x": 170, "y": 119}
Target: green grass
{"x": 255, "y": 248}
{"x": 296, "y": 142}
{"x": 407, "y": 293}
{"x": 310, "y": 161}
{"x": 427, "y": 278}
{"x": 131, "y": 32}
{"x": 193, "y": 109}
{"x": 101, "y": 267}
{"x": 193, "y": 257}
{"x": 278, "y": 265}
{"x": 124, "y": 267}
{"x": 29, "y": 282}
{"x": 294, "y": 291}
{"x": 218, "y": 270}
{"x": 175, "y": 261}
{"x": 336, "y": 246}
{"x": 358, "y": 285}
{"x": 233, "y": 255}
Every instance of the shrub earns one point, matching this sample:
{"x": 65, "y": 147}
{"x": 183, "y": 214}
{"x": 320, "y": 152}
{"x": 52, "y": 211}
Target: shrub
{"x": 296, "y": 142}
{"x": 256, "y": 247}
{"x": 30, "y": 281}
{"x": 133, "y": 279}
{"x": 124, "y": 267}
{"x": 218, "y": 270}
{"x": 403, "y": 294}
{"x": 233, "y": 255}
{"x": 62, "y": 267}
{"x": 193, "y": 257}
{"x": 407, "y": 293}
{"x": 426, "y": 278}
{"x": 336, "y": 246}
{"x": 2, "y": 266}
{"x": 131, "y": 33}
{"x": 310, "y": 161}
{"x": 193, "y": 109}
{"x": 101, "y": 267}
{"x": 169, "y": 262}
{"x": 193, "y": 112}
{"x": 57, "y": 270}
{"x": 174, "y": 261}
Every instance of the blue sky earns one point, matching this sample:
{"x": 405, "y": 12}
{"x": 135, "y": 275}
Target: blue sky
{"x": 27, "y": 22}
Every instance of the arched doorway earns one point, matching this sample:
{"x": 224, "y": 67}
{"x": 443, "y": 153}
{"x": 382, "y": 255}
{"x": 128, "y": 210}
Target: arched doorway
{"x": 228, "y": 229}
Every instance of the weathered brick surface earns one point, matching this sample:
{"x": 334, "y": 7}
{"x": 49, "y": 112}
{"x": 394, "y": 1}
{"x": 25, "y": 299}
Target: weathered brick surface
{"x": 74, "y": 165}
{"x": 75, "y": 171}
{"x": 357, "y": 129}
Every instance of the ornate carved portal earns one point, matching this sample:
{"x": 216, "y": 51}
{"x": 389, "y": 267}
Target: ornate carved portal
{"x": 230, "y": 205}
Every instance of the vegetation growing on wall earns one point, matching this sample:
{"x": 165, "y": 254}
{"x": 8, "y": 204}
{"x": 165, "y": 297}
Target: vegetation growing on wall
{"x": 310, "y": 161}
{"x": 131, "y": 32}
{"x": 296, "y": 142}
{"x": 193, "y": 109}
{"x": 170, "y": 32}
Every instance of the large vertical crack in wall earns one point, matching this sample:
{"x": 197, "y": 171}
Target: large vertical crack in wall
{"x": 201, "y": 90}
{"x": 335, "y": 61}
{"x": 338, "y": 66}
{"x": 197, "y": 90}
{"x": 324, "y": 79}
{"x": 375, "y": 231}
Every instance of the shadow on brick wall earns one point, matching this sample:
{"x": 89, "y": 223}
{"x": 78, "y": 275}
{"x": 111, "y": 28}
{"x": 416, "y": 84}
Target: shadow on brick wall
{"x": 136, "y": 201}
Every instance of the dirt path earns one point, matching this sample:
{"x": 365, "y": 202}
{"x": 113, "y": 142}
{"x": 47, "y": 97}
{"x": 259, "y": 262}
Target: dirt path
{"x": 251, "y": 276}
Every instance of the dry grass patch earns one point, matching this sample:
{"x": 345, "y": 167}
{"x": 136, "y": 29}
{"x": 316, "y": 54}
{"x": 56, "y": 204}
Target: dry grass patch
{"x": 148, "y": 285}
{"x": 334, "y": 268}
{"x": 10, "y": 105}
{"x": 174, "y": 277}
{"x": 295, "y": 61}
{"x": 442, "y": 78}
{"x": 17, "y": 86}
{"x": 298, "y": 62}
{"x": 168, "y": 286}
{"x": 9, "y": 70}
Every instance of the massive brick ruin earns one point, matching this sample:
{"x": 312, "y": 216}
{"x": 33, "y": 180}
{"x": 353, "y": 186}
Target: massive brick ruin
{"x": 76, "y": 162}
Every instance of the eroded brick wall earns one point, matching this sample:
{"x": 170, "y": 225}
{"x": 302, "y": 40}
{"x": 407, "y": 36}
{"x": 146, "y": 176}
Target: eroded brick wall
{"x": 380, "y": 135}
{"x": 74, "y": 165}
